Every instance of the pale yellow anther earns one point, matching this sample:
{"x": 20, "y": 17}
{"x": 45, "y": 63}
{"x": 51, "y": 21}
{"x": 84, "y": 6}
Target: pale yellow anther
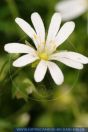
{"x": 52, "y": 48}
{"x": 35, "y": 36}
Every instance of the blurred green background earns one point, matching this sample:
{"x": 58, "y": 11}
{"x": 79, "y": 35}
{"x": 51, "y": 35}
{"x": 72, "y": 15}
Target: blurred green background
{"x": 25, "y": 103}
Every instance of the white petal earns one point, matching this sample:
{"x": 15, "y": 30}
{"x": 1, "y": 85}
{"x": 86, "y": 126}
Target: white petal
{"x": 40, "y": 71}
{"x": 56, "y": 73}
{"x": 54, "y": 27}
{"x": 39, "y": 26}
{"x": 18, "y": 48}
{"x": 67, "y": 61}
{"x": 64, "y": 32}
{"x": 24, "y": 60}
{"x": 73, "y": 56}
{"x": 27, "y": 29}
{"x": 71, "y": 9}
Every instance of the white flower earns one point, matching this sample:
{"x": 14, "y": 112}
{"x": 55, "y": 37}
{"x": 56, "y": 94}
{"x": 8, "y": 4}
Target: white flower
{"x": 71, "y": 9}
{"x": 46, "y": 49}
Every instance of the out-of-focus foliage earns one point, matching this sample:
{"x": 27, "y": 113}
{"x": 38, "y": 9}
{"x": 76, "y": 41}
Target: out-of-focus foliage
{"x": 24, "y": 103}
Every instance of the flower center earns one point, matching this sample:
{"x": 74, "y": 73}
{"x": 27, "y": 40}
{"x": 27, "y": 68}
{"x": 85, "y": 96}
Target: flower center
{"x": 43, "y": 56}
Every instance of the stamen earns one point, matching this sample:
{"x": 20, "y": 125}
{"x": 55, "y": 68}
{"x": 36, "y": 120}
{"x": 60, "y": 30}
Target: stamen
{"x": 52, "y": 48}
{"x": 43, "y": 56}
{"x": 35, "y": 36}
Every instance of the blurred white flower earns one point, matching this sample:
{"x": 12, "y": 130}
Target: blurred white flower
{"x": 46, "y": 49}
{"x": 23, "y": 119}
{"x": 71, "y": 9}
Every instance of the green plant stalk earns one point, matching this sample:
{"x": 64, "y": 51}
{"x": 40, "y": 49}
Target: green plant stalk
{"x": 15, "y": 13}
{"x": 13, "y": 8}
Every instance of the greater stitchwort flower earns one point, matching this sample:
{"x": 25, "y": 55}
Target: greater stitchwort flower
{"x": 45, "y": 50}
{"x": 71, "y": 9}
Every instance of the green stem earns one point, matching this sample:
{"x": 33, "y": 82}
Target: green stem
{"x": 13, "y": 8}
{"x": 15, "y": 13}
{"x": 75, "y": 109}
{"x": 1, "y": 70}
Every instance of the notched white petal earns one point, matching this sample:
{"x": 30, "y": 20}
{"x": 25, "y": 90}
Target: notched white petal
{"x": 40, "y": 71}
{"x": 71, "y": 63}
{"x": 18, "y": 48}
{"x": 64, "y": 32}
{"x": 39, "y": 26}
{"x": 56, "y": 73}
{"x": 27, "y": 29}
{"x": 74, "y": 56}
{"x": 24, "y": 60}
{"x": 67, "y": 61}
{"x": 54, "y": 27}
